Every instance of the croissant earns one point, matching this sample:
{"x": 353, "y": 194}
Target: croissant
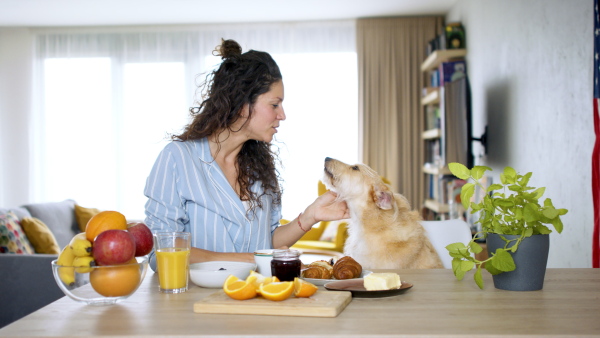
{"x": 346, "y": 268}
{"x": 318, "y": 270}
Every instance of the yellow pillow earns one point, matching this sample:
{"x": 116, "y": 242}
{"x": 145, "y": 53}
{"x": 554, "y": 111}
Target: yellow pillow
{"x": 83, "y": 215}
{"x": 40, "y": 236}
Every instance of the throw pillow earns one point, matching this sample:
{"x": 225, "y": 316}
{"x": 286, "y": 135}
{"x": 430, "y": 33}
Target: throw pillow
{"x": 12, "y": 238}
{"x": 83, "y": 215}
{"x": 40, "y": 236}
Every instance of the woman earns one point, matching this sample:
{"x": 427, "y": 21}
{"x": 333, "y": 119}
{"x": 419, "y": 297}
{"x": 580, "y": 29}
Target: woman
{"x": 218, "y": 179}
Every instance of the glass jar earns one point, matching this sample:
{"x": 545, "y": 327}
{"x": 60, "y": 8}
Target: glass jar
{"x": 286, "y": 264}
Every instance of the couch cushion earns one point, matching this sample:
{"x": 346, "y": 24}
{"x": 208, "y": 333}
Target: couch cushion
{"x": 83, "y": 215}
{"x": 12, "y": 238}
{"x": 40, "y": 237}
{"x": 59, "y": 217}
{"x": 20, "y": 212}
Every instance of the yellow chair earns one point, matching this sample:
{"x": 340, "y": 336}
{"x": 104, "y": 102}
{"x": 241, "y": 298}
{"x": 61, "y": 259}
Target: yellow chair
{"x": 312, "y": 239}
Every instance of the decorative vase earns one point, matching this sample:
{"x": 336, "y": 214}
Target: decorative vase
{"x": 530, "y": 260}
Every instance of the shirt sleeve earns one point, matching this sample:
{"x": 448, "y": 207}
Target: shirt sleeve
{"x": 164, "y": 208}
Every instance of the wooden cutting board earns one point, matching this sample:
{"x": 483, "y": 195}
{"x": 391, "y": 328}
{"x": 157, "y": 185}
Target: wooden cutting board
{"x": 321, "y": 304}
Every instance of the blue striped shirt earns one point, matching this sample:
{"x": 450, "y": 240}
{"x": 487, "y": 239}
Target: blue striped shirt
{"x": 187, "y": 191}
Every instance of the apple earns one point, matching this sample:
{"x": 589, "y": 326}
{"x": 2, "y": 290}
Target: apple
{"x": 142, "y": 237}
{"x": 113, "y": 247}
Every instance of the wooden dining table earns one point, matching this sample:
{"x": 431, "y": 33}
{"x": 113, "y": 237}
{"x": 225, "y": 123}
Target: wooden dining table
{"x": 437, "y": 305}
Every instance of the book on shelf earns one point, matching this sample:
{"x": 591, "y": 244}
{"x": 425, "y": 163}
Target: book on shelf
{"x": 451, "y": 71}
{"x": 432, "y": 117}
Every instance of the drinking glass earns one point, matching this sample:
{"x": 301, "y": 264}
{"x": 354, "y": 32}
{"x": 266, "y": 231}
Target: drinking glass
{"x": 172, "y": 260}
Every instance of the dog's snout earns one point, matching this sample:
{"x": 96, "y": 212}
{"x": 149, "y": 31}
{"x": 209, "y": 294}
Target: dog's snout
{"x": 327, "y": 159}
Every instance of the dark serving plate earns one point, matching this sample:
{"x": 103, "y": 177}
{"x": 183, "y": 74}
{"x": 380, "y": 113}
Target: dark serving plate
{"x": 356, "y": 286}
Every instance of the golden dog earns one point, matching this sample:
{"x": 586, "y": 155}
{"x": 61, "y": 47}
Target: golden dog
{"x": 383, "y": 232}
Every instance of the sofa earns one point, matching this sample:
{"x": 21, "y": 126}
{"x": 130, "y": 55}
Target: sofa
{"x": 27, "y": 283}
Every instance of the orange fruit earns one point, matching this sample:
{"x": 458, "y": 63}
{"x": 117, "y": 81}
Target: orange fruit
{"x": 105, "y": 220}
{"x": 277, "y": 291}
{"x": 238, "y": 289}
{"x": 303, "y": 288}
{"x": 257, "y": 279}
{"x": 117, "y": 280}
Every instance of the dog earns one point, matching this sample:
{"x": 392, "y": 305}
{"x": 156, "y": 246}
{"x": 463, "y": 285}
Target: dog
{"x": 383, "y": 231}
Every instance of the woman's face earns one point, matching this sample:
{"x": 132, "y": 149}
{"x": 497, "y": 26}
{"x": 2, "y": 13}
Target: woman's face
{"x": 267, "y": 112}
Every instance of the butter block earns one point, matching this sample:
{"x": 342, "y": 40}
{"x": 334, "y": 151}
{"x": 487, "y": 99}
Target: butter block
{"x": 382, "y": 281}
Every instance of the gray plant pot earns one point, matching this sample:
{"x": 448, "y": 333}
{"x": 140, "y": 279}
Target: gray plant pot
{"x": 531, "y": 259}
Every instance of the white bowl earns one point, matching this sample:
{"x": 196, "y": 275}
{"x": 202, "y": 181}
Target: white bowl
{"x": 213, "y": 274}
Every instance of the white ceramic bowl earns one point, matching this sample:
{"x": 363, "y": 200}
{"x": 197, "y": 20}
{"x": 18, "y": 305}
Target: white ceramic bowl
{"x": 213, "y": 274}
{"x": 126, "y": 277}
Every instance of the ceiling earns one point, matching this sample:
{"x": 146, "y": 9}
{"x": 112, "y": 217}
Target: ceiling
{"x": 41, "y": 13}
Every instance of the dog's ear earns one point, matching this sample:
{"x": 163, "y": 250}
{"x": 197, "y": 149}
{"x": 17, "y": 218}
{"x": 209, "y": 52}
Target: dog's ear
{"x": 383, "y": 196}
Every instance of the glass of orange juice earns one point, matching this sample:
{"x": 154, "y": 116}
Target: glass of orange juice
{"x": 172, "y": 260}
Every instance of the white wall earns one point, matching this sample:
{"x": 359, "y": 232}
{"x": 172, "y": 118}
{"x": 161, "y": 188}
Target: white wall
{"x": 16, "y": 50}
{"x": 530, "y": 67}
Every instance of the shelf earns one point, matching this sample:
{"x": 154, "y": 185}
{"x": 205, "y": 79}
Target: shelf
{"x": 439, "y": 56}
{"x": 436, "y": 171}
{"x": 432, "y": 134}
{"x": 431, "y": 98}
{"x": 436, "y": 206}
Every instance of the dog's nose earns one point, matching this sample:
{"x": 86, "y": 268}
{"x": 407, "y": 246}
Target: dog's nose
{"x": 327, "y": 159}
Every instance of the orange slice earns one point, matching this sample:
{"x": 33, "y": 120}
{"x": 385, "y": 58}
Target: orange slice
{"x": 303, "y": 288}
{"x": 257, "y": 279}
{"x": 277, "y": 291}
{"x": 238, "y": 289}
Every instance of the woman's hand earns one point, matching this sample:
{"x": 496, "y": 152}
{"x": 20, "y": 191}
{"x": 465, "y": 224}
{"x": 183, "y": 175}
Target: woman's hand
{"x": 326, "y": 208}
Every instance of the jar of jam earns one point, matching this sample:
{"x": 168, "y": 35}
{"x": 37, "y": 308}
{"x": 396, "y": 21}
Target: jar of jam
{"x": 286, "y": 264}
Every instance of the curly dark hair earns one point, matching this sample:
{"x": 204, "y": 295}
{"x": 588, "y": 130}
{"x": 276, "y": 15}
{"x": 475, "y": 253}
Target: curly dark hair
{"x": 239, "y": 80}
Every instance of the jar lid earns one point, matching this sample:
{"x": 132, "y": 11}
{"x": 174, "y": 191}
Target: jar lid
{"x": 286, "y": 254}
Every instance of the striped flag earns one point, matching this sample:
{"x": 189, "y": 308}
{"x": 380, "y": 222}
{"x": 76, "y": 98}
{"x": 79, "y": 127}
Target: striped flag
{"x": 596, "y": 152}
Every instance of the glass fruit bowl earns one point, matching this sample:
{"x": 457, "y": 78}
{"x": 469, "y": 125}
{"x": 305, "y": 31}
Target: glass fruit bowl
{"x": 100, "y": 285}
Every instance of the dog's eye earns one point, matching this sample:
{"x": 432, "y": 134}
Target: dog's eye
{"x": 355, "y": 167}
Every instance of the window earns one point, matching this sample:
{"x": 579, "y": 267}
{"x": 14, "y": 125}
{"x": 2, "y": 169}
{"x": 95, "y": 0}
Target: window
{"x": 109, "y": 103}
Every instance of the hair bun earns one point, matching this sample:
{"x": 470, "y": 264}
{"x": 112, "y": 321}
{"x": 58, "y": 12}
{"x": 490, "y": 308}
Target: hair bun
{"x": 228, "y": 49}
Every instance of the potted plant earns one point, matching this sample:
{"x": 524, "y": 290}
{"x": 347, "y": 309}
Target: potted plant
{"x": 515, "y": 226}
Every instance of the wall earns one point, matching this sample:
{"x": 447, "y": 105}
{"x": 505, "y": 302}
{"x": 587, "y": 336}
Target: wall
{"x": 16, "y": 50}
{"x": 530, "y": 67}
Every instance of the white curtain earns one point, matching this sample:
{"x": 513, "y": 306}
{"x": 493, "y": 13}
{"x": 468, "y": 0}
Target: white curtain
{"x": 108, "y": 98}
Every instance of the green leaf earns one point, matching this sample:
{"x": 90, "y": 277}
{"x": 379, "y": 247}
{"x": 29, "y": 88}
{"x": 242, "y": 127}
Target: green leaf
{"x": 478, "y": 171}
{"x": 459, "y": 170}
{"x": 494, "y": 186}
{"x": 503, "y": 261}
{"x": 467, "y": 265}
{"x": 515, "y": 187}
{"x": 550, "y": 212}
{"x": 475, "y": 248}
{"x": 538, "y": 193}
{"x": 478, "y": 278}
{"x": 466, "y": 192}
{"x": 558, "y": 224}
{"x": 491, "y": 269}
{"x": 456, "y": 268}
{"x": 531, "y": 213}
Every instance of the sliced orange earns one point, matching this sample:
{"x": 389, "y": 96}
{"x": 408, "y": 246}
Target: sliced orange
{"x": 257, "y": 279}
{"x": 303, "y": 288}
{"x": 238, "y": 289}
{"x": 277, "y": 291}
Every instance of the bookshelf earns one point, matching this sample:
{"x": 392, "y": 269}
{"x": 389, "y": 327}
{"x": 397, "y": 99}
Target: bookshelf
{"x": 441, "y": 131}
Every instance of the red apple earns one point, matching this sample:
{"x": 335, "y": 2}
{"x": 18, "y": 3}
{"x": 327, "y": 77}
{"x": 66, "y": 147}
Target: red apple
{"x": 142, "y": 237}
{"x": 113, "y": 247}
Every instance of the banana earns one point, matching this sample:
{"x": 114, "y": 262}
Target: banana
{"x": 66, "y": 271}
{"x": 83, "y": 264}
{"x": 80, "y": 245}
